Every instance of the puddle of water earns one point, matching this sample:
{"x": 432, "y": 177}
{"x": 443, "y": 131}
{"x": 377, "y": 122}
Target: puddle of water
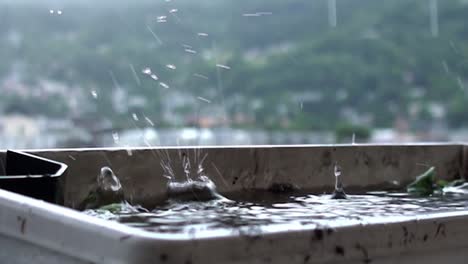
{"x": 260, "y": 209}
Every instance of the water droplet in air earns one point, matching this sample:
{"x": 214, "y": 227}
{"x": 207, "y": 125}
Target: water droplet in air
{"x": 164, "y": 85}
{"x": 149, "y": 121}
{"x": 154, "y": 77}
{"x": 203, "y": 99}
{"x": 59, "y": 12}
{"x": 161, "y": 17}
{"x": 115, "y": 137}
{"x": 171, "y": 66}
{"x": 200, "y": 76}
{"x": 51, "y": 11}
{"x": 223, "y": 66}
{"x": 94, "y": 94}
{"x": 337, "y": 170}
{"x": 353, "y": 140}
{"x": 146, "y": 71}
{"x": 173, "y": 10}
{"x": 191, "y": 51}
{"x": 202, "y": 34}
{"x": 129, "y": 151}
{"x": 135, "y": 116}
{"x": 339, "y": 192}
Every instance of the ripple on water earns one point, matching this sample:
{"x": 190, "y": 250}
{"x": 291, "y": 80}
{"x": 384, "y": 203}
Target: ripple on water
{"x": 193, "y": 217}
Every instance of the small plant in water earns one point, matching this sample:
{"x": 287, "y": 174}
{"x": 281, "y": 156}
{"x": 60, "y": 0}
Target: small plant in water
{"x": 107, "y": 198}
{"x": 427, "y": 184}
{"x": 339, "y": 192}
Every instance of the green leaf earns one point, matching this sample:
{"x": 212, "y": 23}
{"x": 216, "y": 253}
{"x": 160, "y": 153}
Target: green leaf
{"x": 113, "y": 208}
{"x": 424, "y": 183}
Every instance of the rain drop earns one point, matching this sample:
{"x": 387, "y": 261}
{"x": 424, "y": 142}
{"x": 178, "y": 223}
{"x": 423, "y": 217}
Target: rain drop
{"x": 203, "y": 99}
{"x": 146, "y": 70}
{"x": 115, "y": 137}
{"x": 164, "y": 85}
{"x": 223, "y": 66}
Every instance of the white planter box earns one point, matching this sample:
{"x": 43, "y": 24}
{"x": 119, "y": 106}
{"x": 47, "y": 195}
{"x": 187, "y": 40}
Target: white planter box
{"x": 32, "y": 231}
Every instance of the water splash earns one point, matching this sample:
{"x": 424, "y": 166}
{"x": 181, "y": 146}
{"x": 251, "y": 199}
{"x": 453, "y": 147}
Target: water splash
{"x": 115, "y": 137}
{"x": 339, "y": 192}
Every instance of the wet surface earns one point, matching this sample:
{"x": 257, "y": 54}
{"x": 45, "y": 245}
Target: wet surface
{"x": 266, "y": 209}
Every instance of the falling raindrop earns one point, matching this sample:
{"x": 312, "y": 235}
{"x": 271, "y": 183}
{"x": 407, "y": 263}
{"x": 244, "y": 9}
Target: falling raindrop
{"x": 154, "y": 35}
{"x": 71, "y": 157}
{"x": 302, "y": 105}
{"x": 251, "y": 15}
{"x": 191, "y": 51}
{"x": 203, "y": 99}
{"x": 171, "y": 66}
{"x": 201, "y": 76}
{"x": 51, "y": 11}
{"x": 59, "y": 12}
{"x": 135, "y": 75}
{"x": 187, "y": 46}
{"x": 115, "y": 137}
{"x": 94, "y": 94}
{"x": 434, "y": 17}
{"x": 223, "y": 66}
{"x": 149, "y": 121}
{"x": 353, "y": 140}
{"x": 154, "y": 77}
{"x": 332, "y": 20}
{"x": 460, "y": 83}
{"x": 446, "y": 67}
{"x": 164, "y": 85}
{"x": 202, "y": 34}
{"x": 135, "y": 117}
{"x": 173, "y": 10}
{"x": 147, "y": 71}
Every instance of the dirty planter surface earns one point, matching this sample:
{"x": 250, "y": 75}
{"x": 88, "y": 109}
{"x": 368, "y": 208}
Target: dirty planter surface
{"x": 64, "y": 235}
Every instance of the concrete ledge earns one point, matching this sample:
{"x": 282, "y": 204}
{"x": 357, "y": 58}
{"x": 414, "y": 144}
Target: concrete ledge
{"x": 235, "y": 169}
